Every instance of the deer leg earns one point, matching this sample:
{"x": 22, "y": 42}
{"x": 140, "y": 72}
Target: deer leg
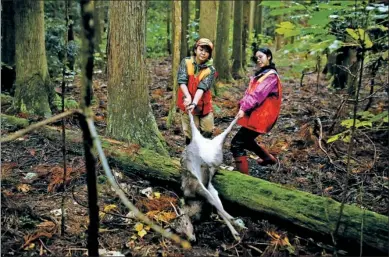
{"x": 217, "y": 203}
{"x": 237, "y": 222}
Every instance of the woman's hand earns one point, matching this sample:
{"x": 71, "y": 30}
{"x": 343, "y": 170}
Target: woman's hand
{"x": 191, "y": 107}
{"x": 187, "y": 100}
{"x": 240, "y": 114}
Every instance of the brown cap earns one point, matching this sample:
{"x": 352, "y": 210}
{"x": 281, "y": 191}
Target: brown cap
{"x": 204, "y": 42}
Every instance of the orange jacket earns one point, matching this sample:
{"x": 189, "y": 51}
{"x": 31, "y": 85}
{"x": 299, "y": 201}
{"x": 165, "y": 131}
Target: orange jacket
{"x": 263, "y": 117}
{"x": 204, "y": 106}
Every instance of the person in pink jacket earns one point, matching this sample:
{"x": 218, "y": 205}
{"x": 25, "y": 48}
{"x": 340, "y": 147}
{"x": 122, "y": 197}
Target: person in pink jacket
{"x": 258, "y": 111}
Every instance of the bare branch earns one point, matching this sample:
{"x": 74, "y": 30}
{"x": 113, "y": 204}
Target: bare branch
{"x": 185, "y": 244}
{"x": 32, "y": 127}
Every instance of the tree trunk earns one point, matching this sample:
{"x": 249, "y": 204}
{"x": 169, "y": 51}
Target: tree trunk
{"x": 237, "y": 43}
{"x": 258, "y": 20}
{"x": 7, "y": 46}
{"x": 168, "y": 43}
{"x": 278, "y": 37}
{"x": 99, "y": 23}
{"x": 208, "y": 12}
{"x": 197, "y": 13}
{"x": 33, "y": 90}
{"x": 176, "y": 57}
{"x": 184, "y": 29}
{"x": 302, "y": 210}
{"x": 222, "y": 41}
{"x": 7, "y": 33}
{"x": 72, "y": 57}
{"x": 130, "y": 117}
{"x": 252, "y": 13}
{"x": 245, "y": 32}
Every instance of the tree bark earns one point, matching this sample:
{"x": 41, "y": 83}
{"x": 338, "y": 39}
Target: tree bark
{"x": 176, "y": 57}
{"x": 222, "y": 41}
{"x": 168, "y": 42}
{"x": 184, "y": 29}
{"x": 130, "y": 117}
{"x": 246, "y": 31}
{"x": 99, "y": 23}
{"x": 258, "y": 20}
{"x": 197, "y": 13}
{"x": 283, "y": 204}
{"x": 237, "y": 43}
{"x": 7, "y": 33}
{"x": 208, "y": 12}
{"x": 33, "y": 90}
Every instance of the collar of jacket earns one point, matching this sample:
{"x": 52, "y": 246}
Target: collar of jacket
{"x": 262, "y": 72}
{"x": 207, "y": 64}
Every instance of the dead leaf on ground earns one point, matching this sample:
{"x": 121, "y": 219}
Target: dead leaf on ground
{"x": 23, "y": 188}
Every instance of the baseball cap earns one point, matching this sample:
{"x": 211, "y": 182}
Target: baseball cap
{"x": 204, "y": 42}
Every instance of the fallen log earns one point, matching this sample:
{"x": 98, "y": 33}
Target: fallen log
{"x": 304, "y": 210}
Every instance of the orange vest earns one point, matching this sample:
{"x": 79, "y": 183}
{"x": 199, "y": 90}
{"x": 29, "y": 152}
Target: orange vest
{"x": 263, "y": 117}
{"x": 204, "y": 106}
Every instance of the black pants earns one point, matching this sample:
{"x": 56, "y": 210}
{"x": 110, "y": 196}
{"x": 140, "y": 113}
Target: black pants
{"x": 244, "y": 140}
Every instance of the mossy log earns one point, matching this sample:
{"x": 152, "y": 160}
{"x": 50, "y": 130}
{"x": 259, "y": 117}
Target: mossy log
{"x": 304, "y": 210}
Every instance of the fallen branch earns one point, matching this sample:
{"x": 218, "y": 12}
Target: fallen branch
{"x": 35, "y": 126}
{"x": 185, "y": 244}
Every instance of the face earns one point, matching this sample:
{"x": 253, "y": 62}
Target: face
{"x": 262, "y": 59}
{"x": 202, "y": 54}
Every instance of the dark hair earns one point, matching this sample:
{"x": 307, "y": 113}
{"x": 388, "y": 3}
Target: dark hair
{"x": 268, "y": 53}
{"x": 209, "y": 50}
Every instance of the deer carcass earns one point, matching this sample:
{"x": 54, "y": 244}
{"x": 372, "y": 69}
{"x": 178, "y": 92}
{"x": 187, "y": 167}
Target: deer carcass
{"x": 199, "y": 162}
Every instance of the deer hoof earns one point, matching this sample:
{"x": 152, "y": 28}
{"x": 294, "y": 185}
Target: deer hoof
{"x": 239, "y": 223}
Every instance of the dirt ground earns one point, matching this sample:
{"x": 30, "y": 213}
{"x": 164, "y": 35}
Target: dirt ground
{"x": 32, "y": 170}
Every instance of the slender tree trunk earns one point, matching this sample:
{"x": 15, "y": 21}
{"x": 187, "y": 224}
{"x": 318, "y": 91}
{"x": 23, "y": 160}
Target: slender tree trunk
{"x": 197, "y": 13}
{"x": 130, "y": 117}
{"x": 278, "y": 37}
{"x": 176, "y": 56}
{"x": 33, "y": 90}
{"x": 169, "y": 43}
{"x": 208, "y": 12}
{"x": 99, "y": 23}
{"x": 252, "y": 13}
{"x": 258, "y": 19}
{"x": 222, "y": 41}
{"x": 237, "y": 44}
{"x": 245, "y": 32}
{"x": 71, "y": 58}
{"x": 184, "y": 28}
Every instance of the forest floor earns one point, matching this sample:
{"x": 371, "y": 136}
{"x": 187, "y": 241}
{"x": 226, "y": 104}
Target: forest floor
{"x": 32, "y": 169}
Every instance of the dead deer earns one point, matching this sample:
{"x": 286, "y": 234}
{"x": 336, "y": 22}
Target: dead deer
{"x": 199, "y": 162}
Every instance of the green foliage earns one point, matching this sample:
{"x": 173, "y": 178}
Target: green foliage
{"x": 156, "y": 36}
{"x": 55, "y": 36}
{"x": 366, "y": 120}
{"x": 316, "y": 28}
{"x": 69, "y": 103}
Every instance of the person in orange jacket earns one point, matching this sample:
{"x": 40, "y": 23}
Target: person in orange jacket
{"x": 258, "y": 111}
{"x": 195, "y": 77}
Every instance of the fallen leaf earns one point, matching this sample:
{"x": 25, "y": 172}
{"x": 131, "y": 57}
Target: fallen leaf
{"x": 142, "y": 233}
{"x": 23, "y": 188}
{"x": 157, "y": 195}
{"x": 138, "y": 226}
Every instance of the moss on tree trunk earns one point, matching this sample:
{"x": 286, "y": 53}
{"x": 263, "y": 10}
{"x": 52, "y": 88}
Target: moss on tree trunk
{"x": 130, "y": 117}
{"x": 33, "y": 90}
{"x": 302, "y": 209}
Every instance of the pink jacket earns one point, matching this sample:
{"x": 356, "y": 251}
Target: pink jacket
{"x": 250, "y": 101}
